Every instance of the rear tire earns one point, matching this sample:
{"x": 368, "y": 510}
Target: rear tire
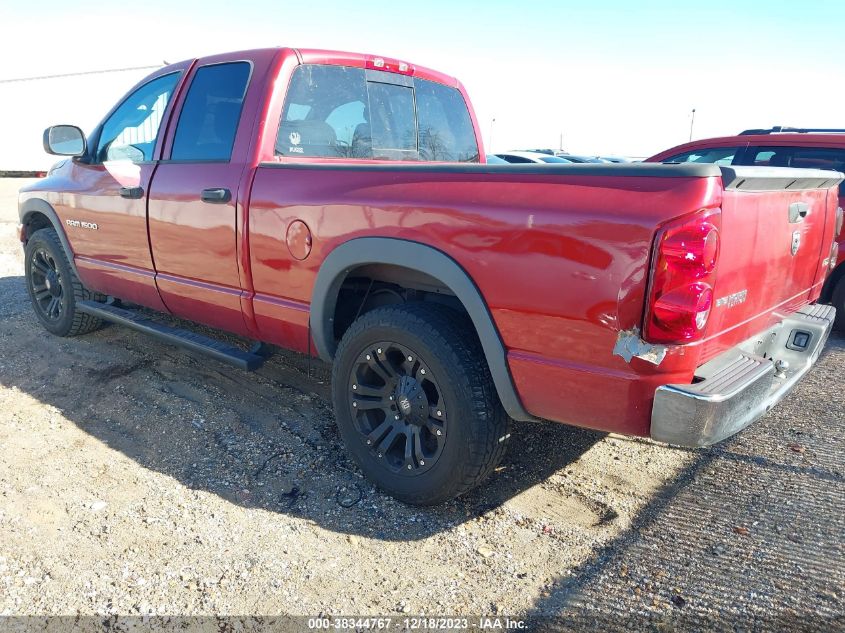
{"x": 54, "y": 288}
{"x": 415, "y": 402}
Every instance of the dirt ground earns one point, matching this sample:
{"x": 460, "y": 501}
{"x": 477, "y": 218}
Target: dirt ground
{"x": 139, "y": 479}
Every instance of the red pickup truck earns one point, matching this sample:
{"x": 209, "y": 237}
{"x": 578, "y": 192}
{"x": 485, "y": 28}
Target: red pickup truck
{"x": 338, "y": 204}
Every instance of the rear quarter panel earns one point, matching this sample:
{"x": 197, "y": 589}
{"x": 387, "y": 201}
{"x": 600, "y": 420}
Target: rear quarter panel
{"x": 561, "y": 261}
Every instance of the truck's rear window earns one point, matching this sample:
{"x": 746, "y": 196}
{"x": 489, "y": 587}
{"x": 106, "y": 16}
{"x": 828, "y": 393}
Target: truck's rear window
{"x": 344, "y": 112}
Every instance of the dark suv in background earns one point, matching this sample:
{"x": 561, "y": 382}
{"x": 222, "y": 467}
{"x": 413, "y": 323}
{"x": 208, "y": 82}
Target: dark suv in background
{"x": 779, "y": 147}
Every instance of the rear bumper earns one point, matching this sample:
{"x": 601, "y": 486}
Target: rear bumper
{"x": 742, "y": 384}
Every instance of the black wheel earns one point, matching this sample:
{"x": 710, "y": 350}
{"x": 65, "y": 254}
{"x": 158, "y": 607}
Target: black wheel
{"x": 415, "y": 402}
{"x": 54, "y": 288}
{"x": 838, "y": 301}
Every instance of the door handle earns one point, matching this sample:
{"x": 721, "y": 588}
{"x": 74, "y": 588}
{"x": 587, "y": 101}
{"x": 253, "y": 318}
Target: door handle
{"x": 798, "y": 211}
{"x": 216, "y": 196}
{"x": 132, "y": 193}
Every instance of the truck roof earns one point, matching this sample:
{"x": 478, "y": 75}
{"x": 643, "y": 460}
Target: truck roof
{"x": 335, "y": 58}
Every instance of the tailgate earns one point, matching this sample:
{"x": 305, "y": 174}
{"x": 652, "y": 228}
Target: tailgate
{"x": 777, "y": 229}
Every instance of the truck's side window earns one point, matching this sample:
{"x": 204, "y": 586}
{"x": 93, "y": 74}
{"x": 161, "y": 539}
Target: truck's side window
{"x": 325, "y": 113}
{"x": 130, "y": 132}
{"x": 211, "y": 112}
{"x": 342, "y": 112}
{"x": 446, "y": 130}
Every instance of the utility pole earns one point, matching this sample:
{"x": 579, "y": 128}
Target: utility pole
{"x": 490, "y": 136}
{"x": 561, "y": 141}
{"x": 691, "y": 123}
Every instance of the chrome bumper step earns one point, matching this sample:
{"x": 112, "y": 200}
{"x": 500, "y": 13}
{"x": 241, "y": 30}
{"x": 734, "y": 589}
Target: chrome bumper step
{"x": 741, "y": 385}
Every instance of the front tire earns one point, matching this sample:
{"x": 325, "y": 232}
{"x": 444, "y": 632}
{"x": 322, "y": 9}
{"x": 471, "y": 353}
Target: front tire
{"x": 415, "y": 402}
{"x": 54, "y": 288}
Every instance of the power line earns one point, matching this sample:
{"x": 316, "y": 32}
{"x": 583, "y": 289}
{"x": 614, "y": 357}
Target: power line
{"x": 87, "y": 72}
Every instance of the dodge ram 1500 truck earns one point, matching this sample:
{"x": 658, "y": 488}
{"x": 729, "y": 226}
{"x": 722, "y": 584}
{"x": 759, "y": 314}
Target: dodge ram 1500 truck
{"x": 339, "y": 205}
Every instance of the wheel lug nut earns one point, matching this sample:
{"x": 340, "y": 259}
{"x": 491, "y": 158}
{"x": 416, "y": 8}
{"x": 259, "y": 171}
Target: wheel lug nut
{"x": 354, "y": 404}
{"x": 369, "y": 442}
{"x": 391, "y": 397}
{"x": 409, "y": 467}
{"x": 379, "y": 455}
{"x": 378, "y": 350}
{"x": 439, "y": 432}
{"x": 410, "y": 358}
{"x": 439, "y": 413}
{"x": 354, "y": 386}
{"x": 368, "y": 357}
{"x": 396, "y": 417}
{"x": 422, "y": 462}
{"x": 422, "y": 371}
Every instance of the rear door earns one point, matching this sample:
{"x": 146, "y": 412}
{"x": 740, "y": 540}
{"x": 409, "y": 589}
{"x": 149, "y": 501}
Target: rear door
{"x": 193, "y": 198}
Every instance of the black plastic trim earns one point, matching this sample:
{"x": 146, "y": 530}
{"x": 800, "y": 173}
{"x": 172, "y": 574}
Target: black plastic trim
{"x": 382, "y": 77}
{"x": 655, "y": 170}
{"x": 37, "y": 205}
{"x": 425, "y": 259}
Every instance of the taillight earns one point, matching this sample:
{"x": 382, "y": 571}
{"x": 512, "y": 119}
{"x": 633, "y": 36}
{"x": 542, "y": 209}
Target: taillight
{"x": 681, "y": 290}
{"x": 693, "y": 248}
{"x": 834, "y": 255}
{"x": 840, "y": 220}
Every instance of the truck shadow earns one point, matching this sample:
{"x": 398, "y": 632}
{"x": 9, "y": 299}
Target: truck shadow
{"x": 747, "y": 536}
{"x": 266, "y": 440}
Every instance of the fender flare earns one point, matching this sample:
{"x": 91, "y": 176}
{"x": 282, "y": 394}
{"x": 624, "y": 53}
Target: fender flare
{"x": 36, "y": 205}
{"x": 425, "y": 259}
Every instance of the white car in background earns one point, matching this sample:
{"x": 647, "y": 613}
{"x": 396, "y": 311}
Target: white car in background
{"x": 531, "y": 157}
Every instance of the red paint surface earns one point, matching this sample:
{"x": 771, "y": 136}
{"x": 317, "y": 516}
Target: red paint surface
{"x": 299, "y": 240}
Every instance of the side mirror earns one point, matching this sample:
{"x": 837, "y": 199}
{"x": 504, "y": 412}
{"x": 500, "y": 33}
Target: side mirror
{"x": 64, "y": 140}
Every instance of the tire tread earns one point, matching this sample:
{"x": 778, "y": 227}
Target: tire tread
{"x": 82, "y": 322}
{"x": 451, "y": 334}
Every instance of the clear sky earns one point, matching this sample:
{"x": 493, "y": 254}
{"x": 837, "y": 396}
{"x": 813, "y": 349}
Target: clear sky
{"x": 613, "y": 77}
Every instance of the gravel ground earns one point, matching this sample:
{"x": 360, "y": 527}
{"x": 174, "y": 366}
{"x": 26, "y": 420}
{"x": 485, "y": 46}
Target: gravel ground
{"x": 138, "y": 479}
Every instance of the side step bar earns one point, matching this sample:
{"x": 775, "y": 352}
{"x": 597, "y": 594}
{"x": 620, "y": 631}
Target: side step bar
{"x": 175, "y": 336}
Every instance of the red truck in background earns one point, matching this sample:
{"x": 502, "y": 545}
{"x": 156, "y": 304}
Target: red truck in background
{"x": 779, "y": 147}
{"x": 338, "y": 204}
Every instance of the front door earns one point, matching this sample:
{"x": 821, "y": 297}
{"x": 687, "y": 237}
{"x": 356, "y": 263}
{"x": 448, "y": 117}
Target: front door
{"x": 193, "y": 201}
{"x": 106, "y": 211}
